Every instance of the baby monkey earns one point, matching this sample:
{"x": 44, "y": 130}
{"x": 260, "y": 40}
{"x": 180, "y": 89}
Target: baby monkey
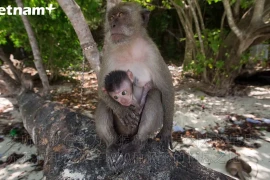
{"x": 238, "y": 167}
{"x": 121, "y": 85}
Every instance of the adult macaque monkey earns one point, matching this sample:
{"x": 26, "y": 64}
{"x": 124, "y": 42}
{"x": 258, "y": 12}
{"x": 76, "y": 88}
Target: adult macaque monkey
{"x": 128, "y": 47}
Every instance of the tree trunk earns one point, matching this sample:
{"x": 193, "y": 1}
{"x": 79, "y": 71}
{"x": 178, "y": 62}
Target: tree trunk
{"x": 246, "y": 33}
{"x": 36, "y": 52}
{"x": 188, "y": 52}
{"x": 186, "y": 19}
{"x": 74, "y": 14}
{"x": 72, "y": 149}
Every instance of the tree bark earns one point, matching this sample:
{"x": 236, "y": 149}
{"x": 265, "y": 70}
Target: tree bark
{"x": 197, "y": 26}
{"x": 197, "y": 7}
{"x": 258, "y": 12}
{"x": 75, "y": 15}
{"x": 233, "y": 47}
{"x": 236, "y": 10}
{"x": 230, "y": 18}
{"x": 186, "y": 19}
{"x": 36, "y": 52}
{"x": 72, "y": 149}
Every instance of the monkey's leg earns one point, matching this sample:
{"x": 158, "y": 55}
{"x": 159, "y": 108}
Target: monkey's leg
{"x": 246, "y": 167}
{"x": 152, "y": 116}
{"x": 106, "y": 131}
{"x": 104, "y": 124}
{"x": 145, "y": 91}
{"x": 151, "y": 121}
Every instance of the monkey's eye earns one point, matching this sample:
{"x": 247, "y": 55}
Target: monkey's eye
{"x": 124, "y": 93}
{"x": 115, "y": 97}
{"x": 111, "y": 17}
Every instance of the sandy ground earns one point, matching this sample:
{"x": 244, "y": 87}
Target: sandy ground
{"x": 19, "y": 169}
{"x": 188, "y": 111}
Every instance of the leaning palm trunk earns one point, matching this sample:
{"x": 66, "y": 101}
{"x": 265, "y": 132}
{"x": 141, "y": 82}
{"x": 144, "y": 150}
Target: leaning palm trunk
{"x": 36, "y": 51}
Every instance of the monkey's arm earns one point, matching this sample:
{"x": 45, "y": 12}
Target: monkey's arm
{"x": 146, "y": 88}
{"x": 137, "y": 106}
{"x": 163, "y": 81}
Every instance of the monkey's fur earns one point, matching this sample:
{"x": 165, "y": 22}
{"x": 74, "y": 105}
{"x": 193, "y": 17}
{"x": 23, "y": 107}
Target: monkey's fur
{"x": 238, "y": 167}
{"x": 120, "y": 86}
{"x": 128, "y": 47}
{"x": 26, "y": 81}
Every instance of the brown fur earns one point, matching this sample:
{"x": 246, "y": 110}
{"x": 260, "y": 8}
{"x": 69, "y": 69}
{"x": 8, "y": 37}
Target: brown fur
{"x": 26, "y": 81}
{"x": 238, "y": 167}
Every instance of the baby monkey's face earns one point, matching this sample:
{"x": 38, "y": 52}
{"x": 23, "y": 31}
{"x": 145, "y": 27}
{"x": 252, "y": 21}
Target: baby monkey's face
{"x": 123, "y": 94}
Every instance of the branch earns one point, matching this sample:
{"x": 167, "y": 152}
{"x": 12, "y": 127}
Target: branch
{"x": 236, "y": 9}
{"x": 199, "y": 13}
{"x": 258, "y": 12}
{"x": 172, "y": 34}
{"x": 261, "y": 39}
{"x": 222, "y": 21}
{"x": 197, "y": 26}
{"x": 187, "y": 25}
{"x": 231, "y": 22}
{"x": 262, "y": 31}
{"x": 266, "y": 9}
{"x": 256, "y": 34}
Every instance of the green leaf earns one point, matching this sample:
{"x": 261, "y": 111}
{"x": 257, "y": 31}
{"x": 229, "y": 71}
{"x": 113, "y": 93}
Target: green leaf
{"x": 202, "y": 98}
{"x": 13, "y": 132}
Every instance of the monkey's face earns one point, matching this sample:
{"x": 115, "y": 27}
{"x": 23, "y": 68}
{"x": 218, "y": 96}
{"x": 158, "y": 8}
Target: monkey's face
{"x": 125, "y": 21}
{"x": 121, "y": 28}
{"x": 123, "y": 95}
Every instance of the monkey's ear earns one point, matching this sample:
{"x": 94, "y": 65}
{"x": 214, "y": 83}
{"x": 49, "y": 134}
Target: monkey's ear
{"x": 145, "y": 16}
{"x": 130, "y": 75}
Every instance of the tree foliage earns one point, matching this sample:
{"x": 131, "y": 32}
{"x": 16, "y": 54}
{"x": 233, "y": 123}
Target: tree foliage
{"x": 58, "y": 42}
{"x": 211, "y": 38}
{"x": 217, "y": 51}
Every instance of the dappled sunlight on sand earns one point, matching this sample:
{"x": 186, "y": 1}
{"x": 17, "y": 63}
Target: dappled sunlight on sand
{"x": 198, "y": 110}
{"x": 18, "y": 168}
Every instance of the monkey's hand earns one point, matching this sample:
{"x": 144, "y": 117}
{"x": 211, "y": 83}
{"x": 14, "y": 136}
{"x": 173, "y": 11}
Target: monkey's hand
{"x": 128, "y": 116}
{"x": 166, "y": 138}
